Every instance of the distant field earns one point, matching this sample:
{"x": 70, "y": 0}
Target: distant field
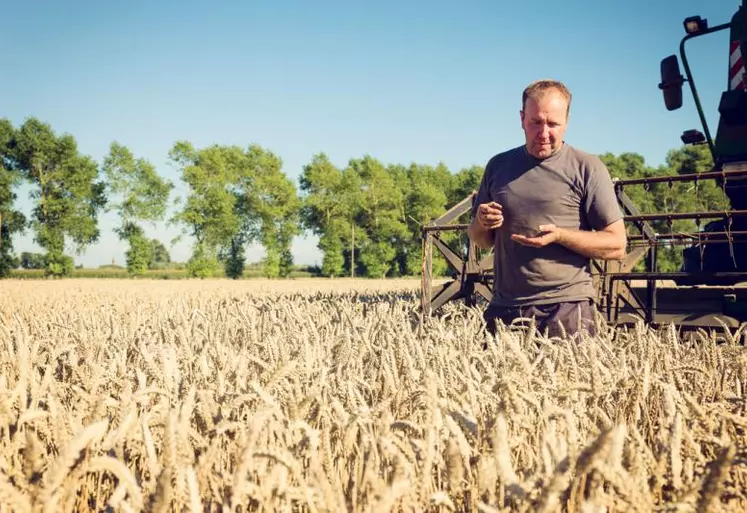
{"x": 151, "y": 274}
{"x": 223, "y": 285}
{"x": 329, "y": 395}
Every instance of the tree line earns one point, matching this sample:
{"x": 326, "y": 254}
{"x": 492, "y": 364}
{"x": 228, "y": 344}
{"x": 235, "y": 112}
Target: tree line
{"x": 367, "y": 214}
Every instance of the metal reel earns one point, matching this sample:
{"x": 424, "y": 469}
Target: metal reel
{"x": 472, "y": 277}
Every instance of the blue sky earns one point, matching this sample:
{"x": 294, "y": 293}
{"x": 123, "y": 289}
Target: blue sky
{"x": 405, "y": 82}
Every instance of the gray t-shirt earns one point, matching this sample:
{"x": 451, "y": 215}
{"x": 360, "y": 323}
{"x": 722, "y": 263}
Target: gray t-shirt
{"x": 570, "y": 189}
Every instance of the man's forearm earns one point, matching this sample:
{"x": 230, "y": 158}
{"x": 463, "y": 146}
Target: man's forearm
{"x": 598, "y": 245}
{"x": 482, "y": 237}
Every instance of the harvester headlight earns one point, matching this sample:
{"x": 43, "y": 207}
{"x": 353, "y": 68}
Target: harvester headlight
{"x": 695, "y": 24}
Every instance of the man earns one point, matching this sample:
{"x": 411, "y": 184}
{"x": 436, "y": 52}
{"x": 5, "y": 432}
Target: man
{"x": 546, "y": 208}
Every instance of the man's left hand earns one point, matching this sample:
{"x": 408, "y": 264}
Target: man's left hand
{"x": 549, "y": 233}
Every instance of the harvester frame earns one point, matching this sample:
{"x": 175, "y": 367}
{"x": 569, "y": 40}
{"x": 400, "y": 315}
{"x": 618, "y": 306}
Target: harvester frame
{"x": 704, "y": 298}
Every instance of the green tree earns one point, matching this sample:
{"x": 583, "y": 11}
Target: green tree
{"x": 235, "y": 259}
{"x": 142, "y": 195}
{"x": 210, "y": 212}
{"x": 464, "y": 183}
{"x": 204, "y": 261}
{"x": 159, "y": 255}
{"x": 704, "y": 195}
{"x": 380, "y": 217}
{"x": 237, "y": 197}
{"x": 426, "y": 198}
{"x": 668, "y": 197}
{"x": 68, "y": 193}
{"x": 32, "y": 260}
{"x": 690, "y": 159}
{"x": 270, "y": 209}
{"x": 138, "y": 253}
{"x": 348, "y": 228}
{"x": 11, "y": 220}
{"x": 328, "y": 210}
{"x": 376, "y": 209}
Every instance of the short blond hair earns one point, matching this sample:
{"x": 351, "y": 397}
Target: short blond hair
{"x": 539, "y": 87}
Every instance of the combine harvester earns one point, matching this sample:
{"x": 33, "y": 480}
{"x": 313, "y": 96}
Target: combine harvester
{"x": 710, "y": 290}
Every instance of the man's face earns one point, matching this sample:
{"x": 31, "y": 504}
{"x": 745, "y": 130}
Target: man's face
{"x": 544, "y": 123}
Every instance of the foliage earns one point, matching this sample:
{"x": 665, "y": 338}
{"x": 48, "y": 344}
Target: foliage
{"x": 212, "y": 174}
{"x": 30, "y": 260}
{"x": 238, "y": 197}
{"x": 68, "y": 194}
{"x": 203, "y": 263}
{"x": 11, "y": 221}
{"x": 376, "y": 212}
{"x": 58, "y": 265}
{"x": 139, "y": 252}
{"x": 143, "y": 196}
{"x": 271, "y": 210}
{"x": 669, "y": 197}
{"x": 158, "y": 256}
{"x": 235, "y": 260}
{"x": 329, "y": 209}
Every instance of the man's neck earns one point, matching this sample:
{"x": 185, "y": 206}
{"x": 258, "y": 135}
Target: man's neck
{"x": 555, "y": 152}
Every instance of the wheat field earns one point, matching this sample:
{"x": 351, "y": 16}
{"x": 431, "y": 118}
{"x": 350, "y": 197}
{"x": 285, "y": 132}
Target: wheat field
{"x": 331, "y": 395}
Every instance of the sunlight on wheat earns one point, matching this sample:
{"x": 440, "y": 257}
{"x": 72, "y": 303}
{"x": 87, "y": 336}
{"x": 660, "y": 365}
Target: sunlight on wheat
{"x": 327, "y": 395}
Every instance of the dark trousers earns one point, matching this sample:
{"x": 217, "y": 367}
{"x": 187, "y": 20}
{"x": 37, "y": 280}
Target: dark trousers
{"x": 570, "y": 315}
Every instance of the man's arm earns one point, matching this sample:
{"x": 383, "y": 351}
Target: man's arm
{"x": 600, "y": 206}
{"x": 488, "y": 217}
{"x": 606, "y": 244}
{"x": 482, "y": 237}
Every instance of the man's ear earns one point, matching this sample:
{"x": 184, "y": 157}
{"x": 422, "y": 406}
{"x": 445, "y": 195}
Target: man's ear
{"x": 521, "y": 116}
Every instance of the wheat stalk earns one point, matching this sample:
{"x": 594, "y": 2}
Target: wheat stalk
{"x": 247, "y": 396}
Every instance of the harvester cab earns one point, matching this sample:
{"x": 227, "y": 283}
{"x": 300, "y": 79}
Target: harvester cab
{"x": 729, "y": 149}
{"x": 730, "y": 144}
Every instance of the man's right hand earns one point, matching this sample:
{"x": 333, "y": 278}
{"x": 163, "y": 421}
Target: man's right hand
{"x": 490, "y": 215}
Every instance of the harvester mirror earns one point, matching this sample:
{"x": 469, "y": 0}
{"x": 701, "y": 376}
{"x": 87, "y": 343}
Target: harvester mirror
{"x": 671, "y": 82}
